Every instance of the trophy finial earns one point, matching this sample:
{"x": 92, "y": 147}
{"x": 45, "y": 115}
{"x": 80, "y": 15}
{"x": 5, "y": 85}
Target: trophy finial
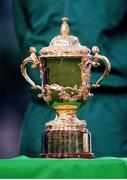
{"x": 64, "y": 27}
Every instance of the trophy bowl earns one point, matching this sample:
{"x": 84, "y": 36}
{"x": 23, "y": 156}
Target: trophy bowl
{"x": 65, "y": 72}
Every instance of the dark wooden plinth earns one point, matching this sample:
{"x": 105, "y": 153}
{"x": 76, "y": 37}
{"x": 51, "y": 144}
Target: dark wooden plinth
{"x": 67, "y": 155}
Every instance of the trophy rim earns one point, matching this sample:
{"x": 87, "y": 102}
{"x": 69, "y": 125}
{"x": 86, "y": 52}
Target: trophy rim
{"x": 61, "y": 56}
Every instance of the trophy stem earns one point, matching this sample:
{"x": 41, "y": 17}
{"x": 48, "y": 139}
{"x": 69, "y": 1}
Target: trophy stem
{"x": 66, "y": 136}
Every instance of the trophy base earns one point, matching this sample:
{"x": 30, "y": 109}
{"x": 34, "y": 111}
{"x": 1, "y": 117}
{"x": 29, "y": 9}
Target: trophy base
{"x": 67, "y": 155}
{"x": 66, "y": 136}
{"x": 56, "y": 143}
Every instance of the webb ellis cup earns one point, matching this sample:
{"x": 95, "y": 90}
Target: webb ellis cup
{"x": 65, "y": 72}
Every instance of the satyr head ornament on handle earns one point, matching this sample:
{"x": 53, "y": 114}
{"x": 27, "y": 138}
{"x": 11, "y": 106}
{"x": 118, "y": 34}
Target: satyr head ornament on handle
{"x": 65, "y": 71}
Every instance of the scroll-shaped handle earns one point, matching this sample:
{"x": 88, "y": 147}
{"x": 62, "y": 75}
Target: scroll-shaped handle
{"x": 95, "y": 63}
{"x": 35, "y": 64}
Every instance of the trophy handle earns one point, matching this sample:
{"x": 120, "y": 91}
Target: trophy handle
{"x": 95, "y": 63}
{"x": 35, "y": 64}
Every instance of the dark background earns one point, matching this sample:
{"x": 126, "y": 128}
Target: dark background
{"x": 13, "y": 95}
{"x": 14, "y": 98}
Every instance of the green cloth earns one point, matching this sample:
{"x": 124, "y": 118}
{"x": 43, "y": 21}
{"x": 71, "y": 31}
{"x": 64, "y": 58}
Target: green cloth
{"x": 102, "y": 23}
{"x": 24, "y": 167}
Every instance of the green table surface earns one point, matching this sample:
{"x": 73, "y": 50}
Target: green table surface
{"x": 24, "y": 167}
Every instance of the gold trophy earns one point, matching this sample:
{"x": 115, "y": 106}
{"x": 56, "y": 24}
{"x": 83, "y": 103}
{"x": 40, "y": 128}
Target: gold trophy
{"x": 65, "y": 71}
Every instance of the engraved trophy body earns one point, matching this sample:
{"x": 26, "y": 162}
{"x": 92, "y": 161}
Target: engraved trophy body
{"x": 65, "y": 71}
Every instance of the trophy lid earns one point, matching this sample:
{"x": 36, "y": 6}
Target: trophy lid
{"x": 64, "y": 45}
